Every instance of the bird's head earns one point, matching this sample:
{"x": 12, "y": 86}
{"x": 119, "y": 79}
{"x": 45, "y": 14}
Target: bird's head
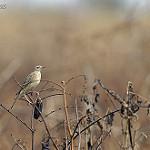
{"x": 39, "y": 67}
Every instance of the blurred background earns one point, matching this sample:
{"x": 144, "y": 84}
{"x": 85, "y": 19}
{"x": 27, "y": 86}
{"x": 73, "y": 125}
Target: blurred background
{"x": 109, "y": 39}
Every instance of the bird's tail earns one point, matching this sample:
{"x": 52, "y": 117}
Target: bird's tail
{"x": 16, "y": 98}
{"x": 19, "y": 94}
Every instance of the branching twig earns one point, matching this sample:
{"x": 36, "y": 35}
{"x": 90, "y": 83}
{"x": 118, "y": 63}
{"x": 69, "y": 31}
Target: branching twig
{"x": 77, "y": 118}
{"x": 73, "y": 78}
{"x": 32, "y": 127}
{"x": 43, "y": 120}
{"x": 94, "y": 122}
{"x": 66, "y": 112}
{"x": 111, "y": 92}
{"x": 18, "y": 142}
{"x": 3, "y": 107}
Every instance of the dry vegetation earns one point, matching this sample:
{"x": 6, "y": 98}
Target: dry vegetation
{"x": 97, "y": 45}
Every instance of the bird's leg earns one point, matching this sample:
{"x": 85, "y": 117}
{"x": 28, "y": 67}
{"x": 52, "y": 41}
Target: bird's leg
{"x": 37, "y": 93}
{"x": 27, "y": 99}
{"x": 30, "y": 93}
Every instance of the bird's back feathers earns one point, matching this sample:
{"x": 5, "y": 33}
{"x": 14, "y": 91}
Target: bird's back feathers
{"x": 30, "y": 82}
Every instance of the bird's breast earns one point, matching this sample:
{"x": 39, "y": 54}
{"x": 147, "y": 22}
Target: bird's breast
{"x": 37, "y": 76}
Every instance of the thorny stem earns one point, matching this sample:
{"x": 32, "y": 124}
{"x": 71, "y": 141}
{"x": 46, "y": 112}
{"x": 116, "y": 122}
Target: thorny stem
{"x": 58, "y": 109}
{"x": 49, "y": 81}
{"x": 77, "y": 118}
{"x": 125, "y": 134}
{"x": 130, "y": 97}
{"x": 111, "y": 93}
{"x": 73, "y": 78}
{"x": 43, "y": 120}
{"x": 48, "y": 131}
{"x": 76, "y": 127}
{"x": 91, "y": 124}
{"x": 102, "y": 139}
{"x": 15, "y": 100}
{"x": 32, "y": 126}
{"x": 66, "y": 112}
{"x": 16, "y": 117}
{"x": 18, "y": 143}
{"x": 57, "y": 94}
{"x": 66, "y": 138}
{"x": 130, "y": 133}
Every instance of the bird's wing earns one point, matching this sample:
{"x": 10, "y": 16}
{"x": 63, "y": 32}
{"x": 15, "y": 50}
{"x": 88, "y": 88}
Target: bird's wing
{"x": 26, "y": 82}
{"x": 28, "y": 79}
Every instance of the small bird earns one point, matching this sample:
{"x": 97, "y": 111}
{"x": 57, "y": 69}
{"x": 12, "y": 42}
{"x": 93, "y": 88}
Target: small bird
{"x": 30, "y": 82}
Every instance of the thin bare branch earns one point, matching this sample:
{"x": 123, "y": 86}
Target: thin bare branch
{"x": 4, "y": 108}
{"x": 73, "y": 78}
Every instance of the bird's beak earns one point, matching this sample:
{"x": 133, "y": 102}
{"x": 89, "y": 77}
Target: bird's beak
{"x": 43, "y": 67}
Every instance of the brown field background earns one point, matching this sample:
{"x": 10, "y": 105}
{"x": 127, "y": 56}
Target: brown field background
{"x": 107, "y": 46}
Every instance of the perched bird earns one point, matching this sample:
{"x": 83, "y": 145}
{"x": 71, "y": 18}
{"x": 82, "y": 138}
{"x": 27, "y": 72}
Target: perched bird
{"x": 30, "y": 82}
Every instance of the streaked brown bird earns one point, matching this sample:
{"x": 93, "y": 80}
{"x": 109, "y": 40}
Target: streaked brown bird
{"x": 30, "y": 82}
